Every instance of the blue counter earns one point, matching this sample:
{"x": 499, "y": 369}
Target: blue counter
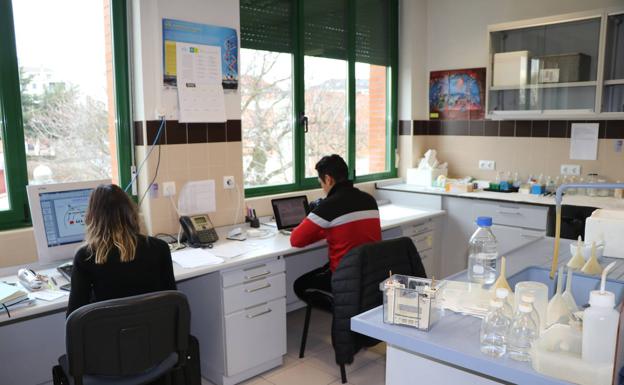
{"x": 454, "y": 339}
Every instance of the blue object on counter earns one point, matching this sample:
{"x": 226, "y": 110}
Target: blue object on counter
{"x": 484, "y": 221}
{"x": 537, "y": 189}
{"x": 504, "y": 186}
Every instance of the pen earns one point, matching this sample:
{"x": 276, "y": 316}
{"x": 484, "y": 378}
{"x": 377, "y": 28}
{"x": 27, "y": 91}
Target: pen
{"x": 254, "y": 212}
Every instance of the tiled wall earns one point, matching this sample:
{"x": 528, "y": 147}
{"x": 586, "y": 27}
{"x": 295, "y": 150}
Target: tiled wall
{"x": 523, "y": 146}
{"x": 188, "y": 152}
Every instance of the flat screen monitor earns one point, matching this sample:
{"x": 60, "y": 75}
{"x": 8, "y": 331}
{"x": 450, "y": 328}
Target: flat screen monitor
{"x": 57, "y": 212}
{"x": 289, "y": 212}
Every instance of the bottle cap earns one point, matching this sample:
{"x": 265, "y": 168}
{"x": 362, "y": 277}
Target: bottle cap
{"x": 496, "y": 303}
{"x": 524, "y": 308}
{"x": 602, "y": 299}
{"x": 502, "y": 293}
{"x": 528, "y": 298}
{"x": 484, "y": 221}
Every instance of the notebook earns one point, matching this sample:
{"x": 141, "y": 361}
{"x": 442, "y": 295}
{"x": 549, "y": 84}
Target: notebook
{"x": 10, "y": 295}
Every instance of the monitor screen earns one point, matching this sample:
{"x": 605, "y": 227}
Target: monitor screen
{"x": 58, "y": 212}
{"x": 63, "y": 216}
{"x": 289, "y": 212}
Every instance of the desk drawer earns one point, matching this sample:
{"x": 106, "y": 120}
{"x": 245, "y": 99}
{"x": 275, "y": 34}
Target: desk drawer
{"x": 254, "y": 292}
{"x": 255, "y": 335}
{"x": 417, "y": 229}
{"x": 426, "y": 258}
{"x": 510, "y": 214}
{"x": 423, "y": 241}
{"x": 253, "y": 271}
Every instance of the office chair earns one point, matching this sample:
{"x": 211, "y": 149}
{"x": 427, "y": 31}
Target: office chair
{"x": 355, "y": 289}
{"x": 126, "y": 341}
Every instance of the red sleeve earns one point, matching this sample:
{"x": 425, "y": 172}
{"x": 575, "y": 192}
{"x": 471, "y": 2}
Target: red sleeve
{"x": 306, "y": 233}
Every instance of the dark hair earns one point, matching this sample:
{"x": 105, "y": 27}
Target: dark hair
{"x": 334, "y": 166}
{"x": 112, "y": 222}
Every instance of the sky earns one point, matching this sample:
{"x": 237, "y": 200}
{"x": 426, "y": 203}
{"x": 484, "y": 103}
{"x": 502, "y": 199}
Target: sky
{"x": 65, "y": 36}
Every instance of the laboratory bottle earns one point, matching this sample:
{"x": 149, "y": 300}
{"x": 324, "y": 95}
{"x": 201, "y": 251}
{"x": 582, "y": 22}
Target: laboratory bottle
{"x": 600, "y": 324}
{"x": 502, "y": 295}
{"x": 530, "y": 301}
{"x": 483, "y": 253}
{"x": 494, "y": 328}
{"x": 522, "y": 332}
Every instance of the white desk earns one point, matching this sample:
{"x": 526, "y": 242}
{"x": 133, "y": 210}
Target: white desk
{"x": 33, "y": 338}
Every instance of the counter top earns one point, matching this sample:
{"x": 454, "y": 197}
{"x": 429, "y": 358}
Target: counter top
{"x": 278, "y": 245}
{"x": 571, "y": 200}
{"x": 454, "y": 339}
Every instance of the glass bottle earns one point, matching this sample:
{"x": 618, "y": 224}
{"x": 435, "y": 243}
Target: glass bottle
{"x": 494, "y": 328}
{"x": 483, "y": 253}
{"x": 522, "y": 332}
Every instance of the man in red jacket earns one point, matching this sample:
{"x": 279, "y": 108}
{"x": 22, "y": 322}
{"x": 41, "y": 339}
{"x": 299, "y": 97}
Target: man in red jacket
{"x": 347, "y": 218}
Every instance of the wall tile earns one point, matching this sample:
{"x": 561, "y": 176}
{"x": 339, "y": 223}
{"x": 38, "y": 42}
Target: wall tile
{"x": 151, "y": 129}
{"x": 539, "y": 129}
{"x": 491, "y": 128}
{"x": 405, "y": 127}
{"x": 507, "y": 128}
{"x": 454, "y": 127}
{"x": 433, "y": 127}
{"x": 138, "y": 133}
{"x": 420, "y": 127}
{"x": 557, "y": 128}
{"x": 197, "y": 132}
{"x": 234, "y": 131}
{"x": 523, "y": 128}
{"x": 175, "y": 132}
{"x": 216, "y": 132}
{"x": 476, "y": 127}
{"x": 615, "y": 129}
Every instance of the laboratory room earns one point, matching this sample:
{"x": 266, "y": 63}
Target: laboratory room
{"x": 311, "y": 192}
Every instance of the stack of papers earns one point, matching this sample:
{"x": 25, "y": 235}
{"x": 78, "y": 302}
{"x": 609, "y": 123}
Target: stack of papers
{"x": 10, "y": 295}
{"x": 190, "y": 258}
{"x": 233, "y": 249}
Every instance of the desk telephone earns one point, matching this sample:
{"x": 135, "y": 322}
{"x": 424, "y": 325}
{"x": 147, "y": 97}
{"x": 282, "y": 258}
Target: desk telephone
{"x": 198, "y": 230}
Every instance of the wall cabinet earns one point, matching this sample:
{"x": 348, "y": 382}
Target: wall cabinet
{"x": 557, "y": 66}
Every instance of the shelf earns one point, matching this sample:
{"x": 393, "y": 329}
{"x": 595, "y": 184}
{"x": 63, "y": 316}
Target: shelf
{"x": 548, "y": 85}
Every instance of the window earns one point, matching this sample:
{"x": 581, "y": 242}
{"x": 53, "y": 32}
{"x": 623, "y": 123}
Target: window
{"x": 317, "y": 79}
{"x": 64, "y": 96}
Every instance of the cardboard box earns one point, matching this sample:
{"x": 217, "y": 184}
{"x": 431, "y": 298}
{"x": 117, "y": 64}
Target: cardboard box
{"x": 511, "y": 69}
{"x": 424, "y": 178}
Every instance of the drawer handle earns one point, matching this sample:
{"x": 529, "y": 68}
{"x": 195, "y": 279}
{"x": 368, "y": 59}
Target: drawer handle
{"x": 258, "y": 288}
{"x": 258, "y": 275}
{"x": 259, "y": 314}
{"x": 509, "y": 212}
{"x": 255, "y": 267}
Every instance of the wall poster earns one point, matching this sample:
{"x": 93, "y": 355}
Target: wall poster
{"x": 457, "y": 94}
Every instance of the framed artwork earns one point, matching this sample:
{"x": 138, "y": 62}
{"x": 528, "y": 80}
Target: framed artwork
{"x": 457, "y": 94}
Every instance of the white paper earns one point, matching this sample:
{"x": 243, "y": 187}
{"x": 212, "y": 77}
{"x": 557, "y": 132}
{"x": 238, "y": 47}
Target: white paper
{"x": 232, "y": 249}
{"x": 48, "y": 295}
{"x": 584, "y": 141}
{"x": 197, "y": 197}
{"x": 190, "y": 258}
{"x": 200, "y": 93}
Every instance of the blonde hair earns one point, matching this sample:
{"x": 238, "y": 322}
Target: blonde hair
{"x": 112, "y": 223}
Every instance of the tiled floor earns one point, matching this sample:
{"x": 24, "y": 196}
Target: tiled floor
{"x": 318, "y": 367}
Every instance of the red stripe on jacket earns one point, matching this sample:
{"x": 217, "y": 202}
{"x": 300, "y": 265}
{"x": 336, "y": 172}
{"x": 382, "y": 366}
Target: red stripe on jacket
{"x": 340, "y": 238}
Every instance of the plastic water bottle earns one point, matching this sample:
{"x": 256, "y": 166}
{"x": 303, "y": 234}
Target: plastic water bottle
{"x": 522, "y": 332}
{"x": 494, "y": 328}
{"x": 483, "y": 253}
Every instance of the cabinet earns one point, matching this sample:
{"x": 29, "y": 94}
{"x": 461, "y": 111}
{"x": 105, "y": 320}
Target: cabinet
{"x": 423, "y": 236}
{"x": 239, "y": 318}
{"x": 557, "y": 66}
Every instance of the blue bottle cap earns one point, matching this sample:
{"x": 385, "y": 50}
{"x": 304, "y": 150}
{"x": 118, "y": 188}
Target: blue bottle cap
{"x": 484, "y": 221}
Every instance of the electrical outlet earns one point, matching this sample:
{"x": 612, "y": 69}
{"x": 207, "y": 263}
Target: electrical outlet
{"x": 168, "y": 189}
{"x": 228, "y": 182}
{"x": 570, "y": 169}
{"x": 488, "y": 165}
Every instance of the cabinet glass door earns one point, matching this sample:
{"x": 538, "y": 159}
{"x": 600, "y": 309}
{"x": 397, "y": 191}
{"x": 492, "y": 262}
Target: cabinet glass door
{"x": 546, "y": 68}
{"x": 613, "y": 95}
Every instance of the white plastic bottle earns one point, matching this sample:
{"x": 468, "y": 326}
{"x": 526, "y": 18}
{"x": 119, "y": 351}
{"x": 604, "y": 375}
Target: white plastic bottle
{"x": 522, "y": 332}
{"x": 494, "y": 327}
{"x": 483, "y": 253}
{"x": 600, "y": 323}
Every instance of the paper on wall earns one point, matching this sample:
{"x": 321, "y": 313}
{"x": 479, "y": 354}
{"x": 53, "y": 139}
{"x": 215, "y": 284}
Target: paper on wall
{"x": 190, "y": 258}
{"x": 200, "y": 92}
{"x": 197, "y": 197}
{"x": 584, "y": 141}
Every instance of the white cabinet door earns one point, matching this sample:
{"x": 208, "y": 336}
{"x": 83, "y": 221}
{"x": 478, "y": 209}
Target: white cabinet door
{"x": 456, "y": 231}
{"x": 510, "y": 238}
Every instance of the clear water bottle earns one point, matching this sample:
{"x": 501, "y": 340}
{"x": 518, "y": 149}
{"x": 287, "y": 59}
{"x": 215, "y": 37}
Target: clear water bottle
{"x": 522, "y": 332}
{"x": 502, "y": 295}
{"x": 494, "y": 328}
{"x": 483, "y": 253}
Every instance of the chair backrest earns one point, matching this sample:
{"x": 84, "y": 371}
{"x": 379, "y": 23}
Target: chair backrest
{"x": 126, "y": 336}
{"x": 355, "y": 286}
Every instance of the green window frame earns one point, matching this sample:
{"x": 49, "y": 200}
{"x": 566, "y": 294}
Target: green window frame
{"x": 253, "y": 36}
{"x": 11, "y": 122}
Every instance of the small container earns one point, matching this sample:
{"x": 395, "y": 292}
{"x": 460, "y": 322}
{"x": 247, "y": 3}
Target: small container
{"x": 494, "y": 328}
{"x": 483, "y": 253}
{"x": 410, "y": 301}
{"x": 522, "y": 332}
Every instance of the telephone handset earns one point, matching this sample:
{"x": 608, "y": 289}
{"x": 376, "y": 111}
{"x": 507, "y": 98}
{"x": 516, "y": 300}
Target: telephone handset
{"x": 198, "y": 230}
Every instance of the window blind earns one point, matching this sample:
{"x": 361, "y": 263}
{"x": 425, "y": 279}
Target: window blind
{"x": 372, "y": 32}
{"x": 266, "y": 25}
{"x": 325, "y": 28}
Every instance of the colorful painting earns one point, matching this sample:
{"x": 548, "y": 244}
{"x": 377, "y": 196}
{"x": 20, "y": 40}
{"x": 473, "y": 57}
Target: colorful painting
{"x": 457, "y": 94}
{"x": 194, "y": 33}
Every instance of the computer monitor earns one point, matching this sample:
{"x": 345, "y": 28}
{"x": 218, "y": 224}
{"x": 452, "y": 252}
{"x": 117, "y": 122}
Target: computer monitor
{"x": 57, "y": 212}
{"x": 289, "y": 212}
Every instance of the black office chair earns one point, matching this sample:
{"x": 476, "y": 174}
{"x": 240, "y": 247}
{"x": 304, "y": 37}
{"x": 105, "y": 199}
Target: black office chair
{"x": 127, "y": 341}
{"x": 355, "y": 289}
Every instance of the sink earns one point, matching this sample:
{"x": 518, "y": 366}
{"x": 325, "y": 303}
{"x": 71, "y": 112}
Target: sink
{"x": 582, "y": 284}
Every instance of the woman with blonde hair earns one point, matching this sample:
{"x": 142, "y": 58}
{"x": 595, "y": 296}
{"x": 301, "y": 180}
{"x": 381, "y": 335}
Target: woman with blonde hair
{"x": 116, "y": 260}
